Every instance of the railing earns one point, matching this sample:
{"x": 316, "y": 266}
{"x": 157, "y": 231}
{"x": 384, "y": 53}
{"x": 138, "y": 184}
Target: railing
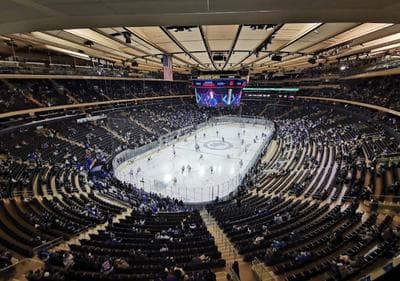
{"x": 223, "y": 190}
{"x": 362, "y": 104}
{"x": 64, "y": 107}
{"x": 48, "y": 244}
{"x": 232, "y": 273}
{"x": 21, "y": 266}
{"x": 386, "y": 204}
{"x": 218, "y": 233}
{"x": 170, "y": 138}
{"x": 22, "y": 193}
{"x": 389, "y": 157}
{"x": 262, "y": 273}
{"x": 389, "y": 266}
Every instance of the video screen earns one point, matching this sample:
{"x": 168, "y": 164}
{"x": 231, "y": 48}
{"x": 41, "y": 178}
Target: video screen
{"x": 219, "y": 93}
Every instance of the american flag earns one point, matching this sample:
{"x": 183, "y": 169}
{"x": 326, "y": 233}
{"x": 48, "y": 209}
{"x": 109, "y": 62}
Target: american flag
{"x": 167, "y": 68}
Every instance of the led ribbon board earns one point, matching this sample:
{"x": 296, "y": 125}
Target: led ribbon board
{"x": 253, "y": 89}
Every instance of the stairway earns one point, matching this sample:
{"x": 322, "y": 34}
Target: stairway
{"x": 228, "y": 251}
{"x": 264, "y": 109}
{"x": 114, "y": 134}
{"x": 22, "y": 266}
{"x": 92, "y": 230}
{"x": 272, "y": 148}
{"x": 286, "y": 113}
{"x": 29, "y": 97}
{"x": 143, "y": 126}
{"x": 107, "y": 97}
{"x": 66, "y": 92}
{"x": 61, "y": 137}
{"x": 8, "y": 84}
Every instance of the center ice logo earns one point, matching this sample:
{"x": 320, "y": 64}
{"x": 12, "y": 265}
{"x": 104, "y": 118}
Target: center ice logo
{"x": 218, "y": 145}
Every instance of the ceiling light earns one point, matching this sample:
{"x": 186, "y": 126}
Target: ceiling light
{"x": 388, "y": 47}
{"x": 127, "y": 37}
{"x": 68, "y": 52}
{"x": 276, "y": 57}
{"x": 312, "y": 60}
{"x": 88, "y": 43}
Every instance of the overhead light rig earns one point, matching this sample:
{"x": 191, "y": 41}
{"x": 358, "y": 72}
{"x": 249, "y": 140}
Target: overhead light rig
{"x": 126, "y": 34}
{"x": 181, "y": 28}
{"x": 261, "y": 26}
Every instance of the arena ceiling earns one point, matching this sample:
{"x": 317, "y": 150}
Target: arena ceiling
{"x": 204, "y": 34}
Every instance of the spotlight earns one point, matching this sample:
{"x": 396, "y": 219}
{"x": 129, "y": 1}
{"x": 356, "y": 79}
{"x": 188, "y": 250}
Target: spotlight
{"x": 127, "y": 37}
{"x": 219, "y": 57}
{"x": 312, "y": 60}
{"x": 276, "y": 58}
{"x": 88, "y": 43}
{"x": 180, "y": 28}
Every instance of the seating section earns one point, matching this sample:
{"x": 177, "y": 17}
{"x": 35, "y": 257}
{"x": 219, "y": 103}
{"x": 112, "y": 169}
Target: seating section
{"x": 16, "y": 94}
{"x": 145, "y": 244}
{"x": 380, "y": 91}
{"x": 299, "y": 212}
{"x": 307, "y": 210}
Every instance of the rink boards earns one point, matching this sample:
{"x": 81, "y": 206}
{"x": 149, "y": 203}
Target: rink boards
{"x": 224, "y": 154}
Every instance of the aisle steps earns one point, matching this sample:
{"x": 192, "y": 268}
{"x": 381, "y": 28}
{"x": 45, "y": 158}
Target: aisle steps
{"x": 228, "y": 251}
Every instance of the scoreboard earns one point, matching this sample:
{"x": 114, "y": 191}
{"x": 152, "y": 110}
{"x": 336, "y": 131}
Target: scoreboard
{"x": 218, "y": 92}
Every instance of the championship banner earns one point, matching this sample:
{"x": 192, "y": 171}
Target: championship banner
{"x": 167, "y": 67}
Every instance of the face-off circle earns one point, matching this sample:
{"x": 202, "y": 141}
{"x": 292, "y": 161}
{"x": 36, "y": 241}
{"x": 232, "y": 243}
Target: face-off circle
{"x": 217, "y": 145}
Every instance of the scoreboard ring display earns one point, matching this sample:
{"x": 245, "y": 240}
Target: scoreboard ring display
{"x": 218, "y": 92}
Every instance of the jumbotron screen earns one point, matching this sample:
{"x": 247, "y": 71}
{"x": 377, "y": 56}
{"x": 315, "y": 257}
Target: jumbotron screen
{"x": 218, "y": 92}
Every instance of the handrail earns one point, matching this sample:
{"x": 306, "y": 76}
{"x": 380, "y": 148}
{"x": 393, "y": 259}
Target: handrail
{"x": 234, "y": 276}
{"x": 47, "y": 244}
{"x": 88, "y": 104}
{"x": 386, "y": 196}
{"x": 362, "y": 104}
{"x": 85, "y": 104}
{"x": 17, "y": 263}
{"x": 17, "y": 193}
{"x": 83, "y": 77}
{"x": 376, "y": 273}
{"x": 263, "y": 274}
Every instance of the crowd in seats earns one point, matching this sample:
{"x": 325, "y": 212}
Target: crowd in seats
{"x": 141, "y": 247}
{"x": 381, "y": 91}
{"x": 332, "y": 71}
{"x": 67, "y": 143}
{"x": 17, "y": 94}
{"x": 46, "y": 92}
{"x": 5, "y": 259}
{"x": 12, "y": 98}
{"x": 326, "y": 157}
{"x": 124, "y": 124}
{"x": 163, "y": 118}
{"x": 97, "y": 90}
{"x": 38, "y": 145}
{"x": 282, "y": 215}
{"x": 161, "y": 240}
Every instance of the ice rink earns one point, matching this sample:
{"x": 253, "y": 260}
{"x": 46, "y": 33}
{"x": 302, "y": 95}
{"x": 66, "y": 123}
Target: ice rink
{"x": 213, "y": 170}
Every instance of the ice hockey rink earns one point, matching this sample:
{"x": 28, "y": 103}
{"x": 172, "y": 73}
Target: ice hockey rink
{"x": 224, "y": 154}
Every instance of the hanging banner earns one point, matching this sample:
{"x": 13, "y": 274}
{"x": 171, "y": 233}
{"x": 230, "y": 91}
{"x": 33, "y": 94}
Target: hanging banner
{"x": 167, "y": 67}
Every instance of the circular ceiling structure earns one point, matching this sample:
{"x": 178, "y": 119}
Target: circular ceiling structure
{"x": 208, "y": 35}
{"x": 34, "y": 15}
